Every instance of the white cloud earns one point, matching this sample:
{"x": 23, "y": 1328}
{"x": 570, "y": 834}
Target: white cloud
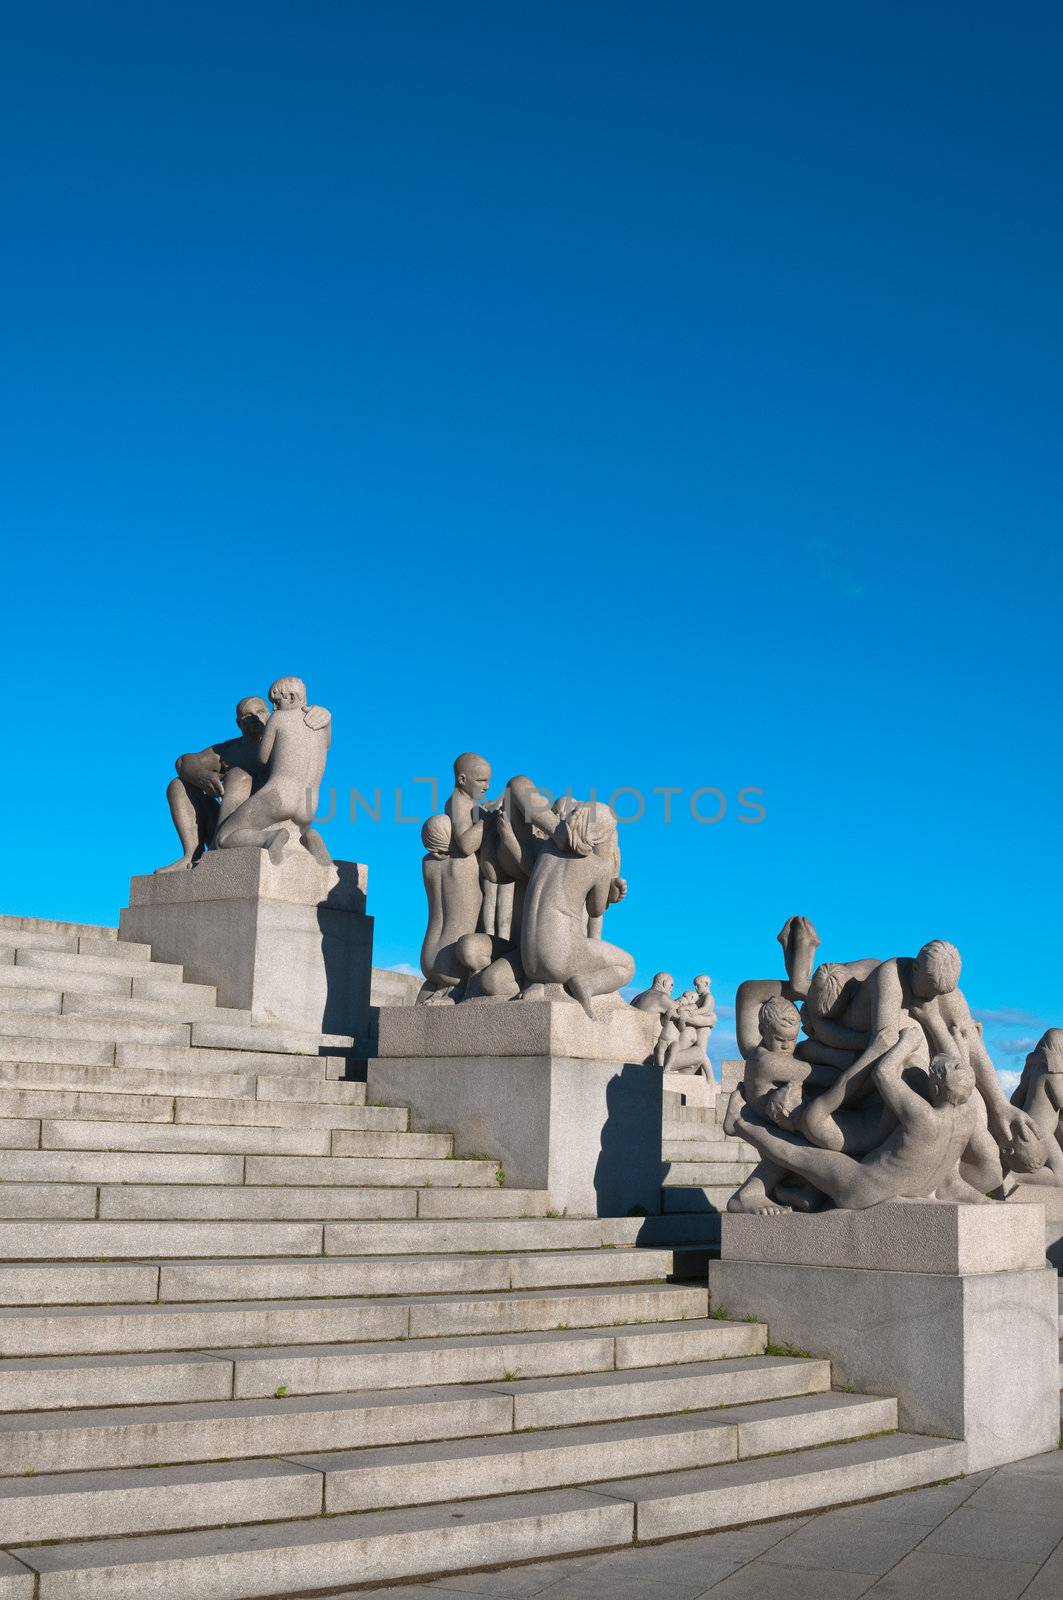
{"x": 1008, "y": 1017}
{"x": 1009, "y": 1079}
{"x": 1014, "y": 1047}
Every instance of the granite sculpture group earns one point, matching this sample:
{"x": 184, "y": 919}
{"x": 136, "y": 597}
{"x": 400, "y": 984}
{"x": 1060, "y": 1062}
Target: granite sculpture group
{"x": 890, "y": 1094}
{"x": 517, "y": 890}
{"x": 260, "y": 789}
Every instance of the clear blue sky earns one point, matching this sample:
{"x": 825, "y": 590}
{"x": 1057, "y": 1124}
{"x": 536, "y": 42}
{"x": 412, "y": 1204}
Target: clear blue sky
{"x": 643, "y": 394}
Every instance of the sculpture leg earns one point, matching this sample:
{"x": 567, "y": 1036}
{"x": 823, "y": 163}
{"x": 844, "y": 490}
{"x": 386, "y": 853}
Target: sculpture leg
{"x": 607, "y": 969}
{"x": 252, "y": 824}
{"x": 312, "y": 841}
{"x": 193, "y": 816}
{"x": 838, "y": 1176}
{"x": 754, "y": 1197}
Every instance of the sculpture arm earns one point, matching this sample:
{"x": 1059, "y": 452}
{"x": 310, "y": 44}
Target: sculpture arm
{"x": 829, "y": 1032}
{"x": 268, "y": 740}
{"x": 203, "y": 769}
{"x": 1005, "y": 1120}
{"x": 906, "y": 1105}
{"x": 513, "y": 857}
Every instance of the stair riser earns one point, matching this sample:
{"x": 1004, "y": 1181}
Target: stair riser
{"x": 583, "y": 1522}
{"x": 137, "y": 1241}
{"x": 154, "y": 1383}
{"x": 218, "y": 1328}
{"x": 239, "y": 1202}
{"x": 258, "y": 1376}
{"x": 281, "y": 1431}
{"x": 74, "y": 1507}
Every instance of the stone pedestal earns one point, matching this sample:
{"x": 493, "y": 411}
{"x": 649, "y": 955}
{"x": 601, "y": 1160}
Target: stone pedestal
{"x": 563, "y": 1103}
{"x": 948, "y": 1307}
{"x": 290, "y": 943}
{"x": 693, "y": 1089}
{"x": 1051, "y": 1199}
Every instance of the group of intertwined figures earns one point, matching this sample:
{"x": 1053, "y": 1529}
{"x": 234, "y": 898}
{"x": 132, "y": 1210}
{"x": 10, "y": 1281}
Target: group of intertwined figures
{"x": 891, "y": 1093}
{"x": 517, "y": 889}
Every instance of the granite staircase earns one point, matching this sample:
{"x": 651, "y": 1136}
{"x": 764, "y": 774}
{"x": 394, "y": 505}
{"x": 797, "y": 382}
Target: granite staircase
{"x": 705, "y": 1167}
{"x": 259, "y": 1339}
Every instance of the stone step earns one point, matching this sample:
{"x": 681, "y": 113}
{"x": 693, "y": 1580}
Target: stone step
{"x": 187, "y": 1002}
{"x": 140, "y": 1327}
{"x": 386, "y": 1170}
{"x": 283, "y": 1558}
{"x": 397, "y": 1475}
{"x": 246, "y": 1113}
{"x": 714, "y": 1150}
{"x": 140, "y": 1241}
{"x": 146, "y": 1435}
{"x": 67, "y": 930}
{"x": 195, "y": 1202}
{"x": 292, "y": 1091}
{"x": 167, "y": 1137}
{"x": 60, "y": 1383}
{"x": 76, "y": 1505}
{"x": 18, "y": 1133}
{"x": 479, "y": 1233}
{"x": 82, "y": 1105}
{"x": 19, "y": 978}
{"x": 225, "y": 1032}
{"x": 21, "y": 1050}
{"x": 313, "y": 1369}
{"x": 297, "y": 1068}
{"x": 130, "y": 1080}
{"x": 25, "y": 1001}
{"x": 66, "y": 1285}
{"x": 109, "y": 1031}
{"x": 308, "y": 1277}
{"x": 116, "y": 959}
{"x": 63, "y": 1384}
{"x": 425, "y": 1146}
{"x": 66, "y": 1200}
{"x": 707, "y": 1174}
{"x": 779, "y": 1486}
{"x": 118, "y": 1166}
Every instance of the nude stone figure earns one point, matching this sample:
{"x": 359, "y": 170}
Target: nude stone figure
{"x": 294, "y": 749}
{"x": 799, "y": 941}
{"x": 925, "y": 988}
{"x": 695, "y": 1020}
{"x": 658, "y": 1001}
{"x": 452, "y": 885}
{"x": 573, "y": 881}
{"x": 919, "y": 1160}
{"x": 1040, "y": 1095}
{"x": 212, "y": 783}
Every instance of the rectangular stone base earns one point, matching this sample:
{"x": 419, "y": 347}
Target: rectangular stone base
{"x": 290, "y": 943}
{"x": 693, "y": 1089}
{"x": 948, "y": 1308}
{"x": 588, "y": 1131}
{"x": 518, "y": 1028}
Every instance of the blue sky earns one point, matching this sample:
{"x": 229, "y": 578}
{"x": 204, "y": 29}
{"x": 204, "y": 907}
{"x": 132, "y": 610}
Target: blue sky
{"x": 658, "y": 396}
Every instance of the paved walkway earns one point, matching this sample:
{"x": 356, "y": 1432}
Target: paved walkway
{"x": 994, "y": 1536}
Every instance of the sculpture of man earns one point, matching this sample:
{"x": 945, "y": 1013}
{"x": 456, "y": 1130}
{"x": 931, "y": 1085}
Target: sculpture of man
{"x": 696, "y": 1018}
{"x": 471, "y": 827}
{"x": 925, "y": 988}
{"x": 294, "y": 749}
{"x": 1040, "y": 1095}
{"x": 452, "y": 884}
{"x": 919, "y": 1160}
{"x": 658, "y": 1001}
{"x": 573, "y": 881}
{"x": 212, "y": 783}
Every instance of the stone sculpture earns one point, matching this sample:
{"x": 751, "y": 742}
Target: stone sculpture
{"x": 211, "y": 783}
{"x": 452, "y": 884}
{"x": 686, "y": 1023}
{"x": 546, "y": 873}
{"x": 1040, "y": 1095}
{"x": 574, "y": 879}
{"x": 826, "y": 1095}
{"x": 695, "y": 1020}
{"x": 919, "y": 1159}
{"x": 294, "y": 748}
{"x": 799, "y": 941}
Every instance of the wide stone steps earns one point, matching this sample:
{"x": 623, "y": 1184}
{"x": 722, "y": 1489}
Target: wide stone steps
{"x": 107, "y": 1502}
{"x": 259, "y": 1338}
{"x": 66, "y": 1329}
{"x": 284, "y": 1557}
{"x": 109, "y": 1240}
{"x": 148, "y": 1435}
{"x": 66, "y": 1382}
